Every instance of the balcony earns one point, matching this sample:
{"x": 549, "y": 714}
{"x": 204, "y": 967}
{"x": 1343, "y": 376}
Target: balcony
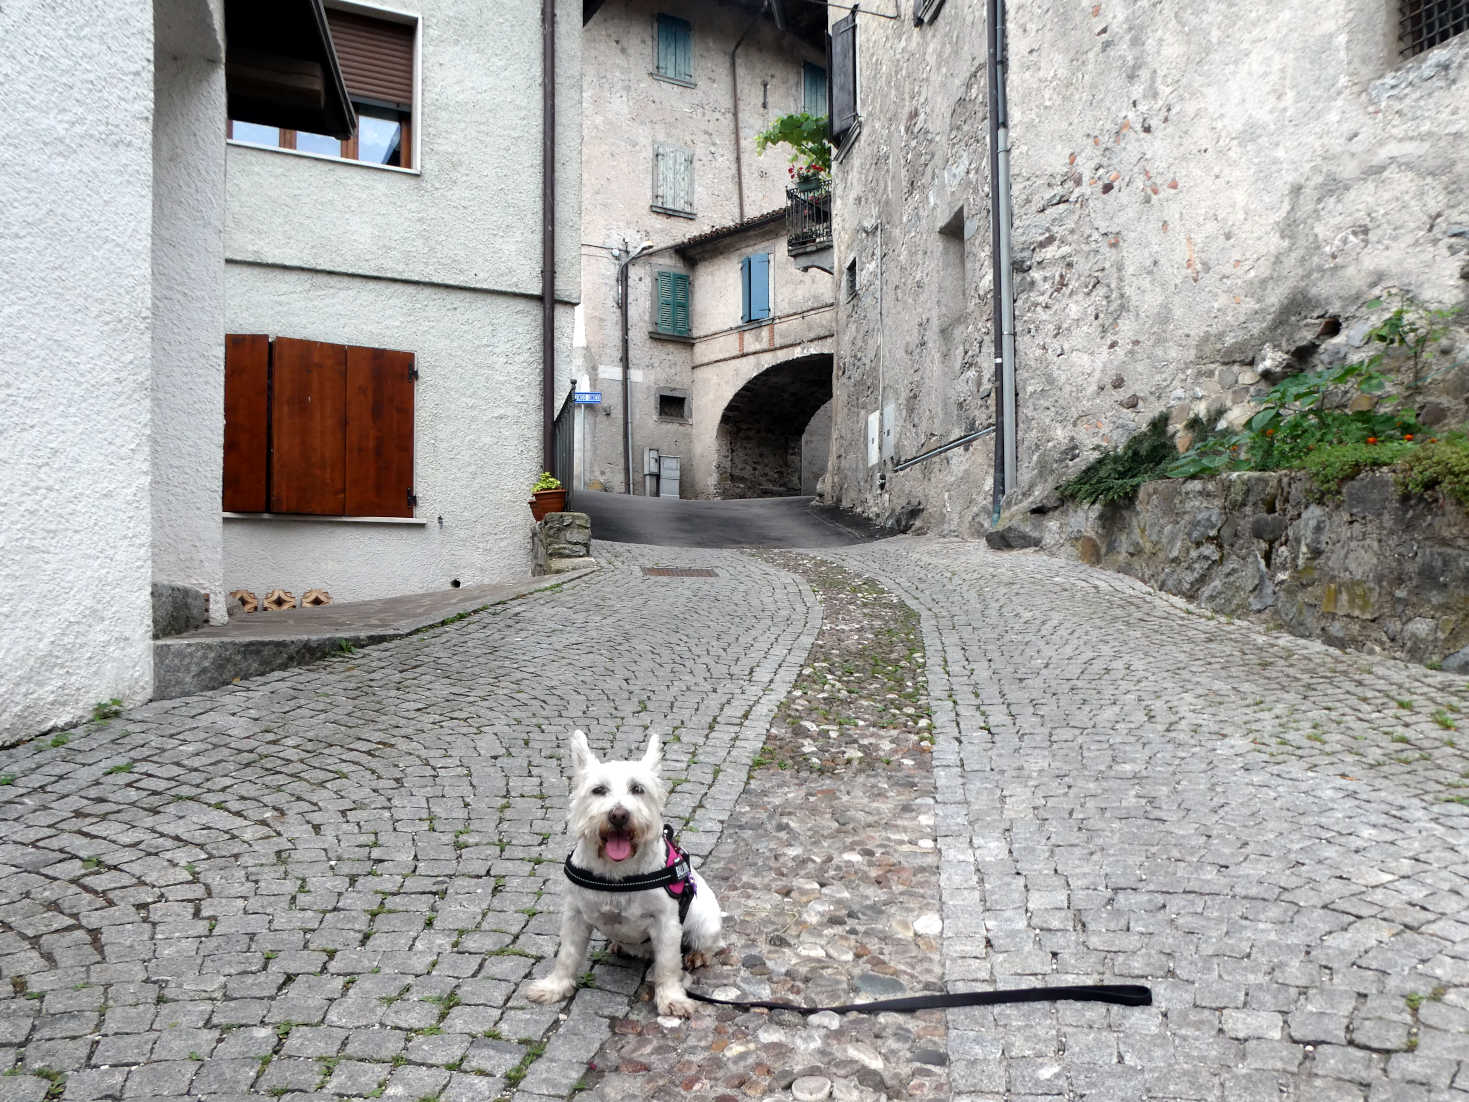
{"x": 808, "y": 226}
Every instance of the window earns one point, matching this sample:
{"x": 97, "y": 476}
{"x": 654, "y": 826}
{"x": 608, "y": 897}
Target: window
{"x": 671, "y": 309}
{"x": 674, "y": 58}
{"x": 376, "y": 56}
{"x": 841, "y": 64}
{"x": 851, "y": 278}
{"x": 673, "y": 405}
{"x": 925, "y": 10}
{"x": 319, "y": 429}
{"x": 755, "y": 287}
{"x": 813, "y": 88}
{"x": 1423, "y": 24}
{"x": 673, "y": 180}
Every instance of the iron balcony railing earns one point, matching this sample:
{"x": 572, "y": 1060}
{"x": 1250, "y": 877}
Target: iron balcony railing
{"x": 808, "y": 217}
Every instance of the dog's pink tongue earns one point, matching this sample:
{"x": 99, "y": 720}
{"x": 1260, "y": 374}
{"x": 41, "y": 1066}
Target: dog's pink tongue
{"x": 618, "y": 847}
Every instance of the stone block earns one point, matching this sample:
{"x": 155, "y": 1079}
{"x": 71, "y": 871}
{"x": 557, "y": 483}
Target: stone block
{"x": 178, "y": 608}
{"x": 1268, "y": 527}
{"x": 1369, "y": 494}
{"x": 1010, "y": 538}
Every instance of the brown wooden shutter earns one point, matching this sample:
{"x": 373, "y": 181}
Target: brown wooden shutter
{"x": 246, "y": 421}
{"x": 379, "y": 432}
{"x": 376, "y": 56}
{"x": 308, "y": 427}
{"x": 841, "y": 65}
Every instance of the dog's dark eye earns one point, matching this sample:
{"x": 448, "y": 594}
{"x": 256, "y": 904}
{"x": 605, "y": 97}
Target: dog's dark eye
{"x": 600, "y": 790}
{"x": 635, "y": 789}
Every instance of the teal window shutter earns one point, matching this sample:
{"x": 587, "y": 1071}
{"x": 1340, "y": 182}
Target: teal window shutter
{"x": 755, "y": 287}
{"x": 673, "y": 304}
{"x": 675, "y": 48}
{"x": 760, "y": 285}
{"x": 814, "y": 83}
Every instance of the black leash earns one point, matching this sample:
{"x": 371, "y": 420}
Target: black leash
{"x": 1119, "y": 994}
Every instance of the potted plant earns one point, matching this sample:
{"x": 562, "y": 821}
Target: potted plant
{"x": 810, "y": 167}
{"x": 547, "y": 496}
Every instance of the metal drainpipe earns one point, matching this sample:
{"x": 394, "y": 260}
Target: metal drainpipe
{"x": 548, "y": 234}
{"x": 1002, "y": 282}
{"x": 622, "y": 282}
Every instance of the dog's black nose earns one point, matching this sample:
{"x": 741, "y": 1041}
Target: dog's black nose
{"x": 617, "y": 817}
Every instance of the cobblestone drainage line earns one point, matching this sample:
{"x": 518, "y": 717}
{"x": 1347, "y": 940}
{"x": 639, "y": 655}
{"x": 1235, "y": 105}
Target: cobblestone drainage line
{"x": 827, "y": 869}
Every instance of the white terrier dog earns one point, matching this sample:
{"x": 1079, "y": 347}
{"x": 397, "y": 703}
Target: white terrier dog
{"x": 616, "y": 819}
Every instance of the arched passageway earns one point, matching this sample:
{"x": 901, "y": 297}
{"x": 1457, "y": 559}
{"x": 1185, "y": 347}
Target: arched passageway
{"x": 759, "y": 445}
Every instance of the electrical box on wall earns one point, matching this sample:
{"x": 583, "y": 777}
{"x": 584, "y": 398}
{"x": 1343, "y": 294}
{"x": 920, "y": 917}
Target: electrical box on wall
{"x": 874, "y": 425}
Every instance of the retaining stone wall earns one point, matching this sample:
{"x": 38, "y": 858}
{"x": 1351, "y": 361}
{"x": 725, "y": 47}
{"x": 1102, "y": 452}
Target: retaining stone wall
{"x": 1374, "y": 570}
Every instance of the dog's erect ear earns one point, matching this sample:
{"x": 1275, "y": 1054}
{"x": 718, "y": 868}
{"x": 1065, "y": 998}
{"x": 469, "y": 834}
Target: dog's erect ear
{"x": 582, "y": 757}
{"x": 653, "y": 755}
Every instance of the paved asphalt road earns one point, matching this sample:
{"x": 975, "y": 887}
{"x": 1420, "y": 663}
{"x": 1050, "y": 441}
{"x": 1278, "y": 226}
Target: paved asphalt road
{"x": 748, "y": 522}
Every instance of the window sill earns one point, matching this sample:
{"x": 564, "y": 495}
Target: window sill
{"x": 670, "y": 210}
{"x": 674, "y": 420}
{"x": 324, "y": 157}
{"x": 677, "y": 338}
{"x": 666, "y": 79}
{"x": 313, "y": 519}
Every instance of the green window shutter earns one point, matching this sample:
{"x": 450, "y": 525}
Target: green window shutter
{"x": 814, "y": 85}
{"x": 673, "y": 304}
{"x": 680, "y": 304}
{"x": 675, "y": 48}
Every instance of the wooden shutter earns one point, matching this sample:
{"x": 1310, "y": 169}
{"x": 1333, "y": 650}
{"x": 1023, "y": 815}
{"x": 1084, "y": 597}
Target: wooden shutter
{"x": 379, "y": 475}
{"x": 376, "y": 56}
{"x": 664, "y": 320}
{"x": 744, "y": 288}
{"x": 675, "y": 48}
{"x": 246, "y": 421}
{"x": 841, "y": 46}
{"x": 759, "y": 286}
{"x": 680, "y": 291}
{"x": 308, "y": 427}
{"x": 673, "y": 178}
{"x": 814, "y": 89}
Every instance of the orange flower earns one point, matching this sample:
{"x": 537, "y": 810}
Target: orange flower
{"x": 1407, "y": 436}
{"x": 1371, "y": 439}
{"x": 1269, "y": 432}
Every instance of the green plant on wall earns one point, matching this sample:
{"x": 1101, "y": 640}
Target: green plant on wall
{"x": 807, "y": 137}
{"x": 1311, "y": 411}
{"x": 1116, "y": 475}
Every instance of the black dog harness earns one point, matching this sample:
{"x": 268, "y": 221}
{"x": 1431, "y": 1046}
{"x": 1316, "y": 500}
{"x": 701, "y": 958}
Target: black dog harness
{"x": 676, "y": 877}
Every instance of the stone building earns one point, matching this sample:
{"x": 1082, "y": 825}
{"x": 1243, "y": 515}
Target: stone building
{"x": 1197, "y": 195}
{"x": 356, "y": 216}
{"x": 676, "y": 200}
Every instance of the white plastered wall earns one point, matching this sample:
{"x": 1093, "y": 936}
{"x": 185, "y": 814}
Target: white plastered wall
{"x": 442, "y": 261}
{"x": 74, "y": 372}
{"x": 188, "y": 296}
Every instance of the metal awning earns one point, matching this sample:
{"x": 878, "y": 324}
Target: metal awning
{"x": 281, "y": 69}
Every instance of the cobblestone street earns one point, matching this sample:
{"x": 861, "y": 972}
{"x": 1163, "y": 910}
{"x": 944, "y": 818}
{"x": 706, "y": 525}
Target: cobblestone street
{"x": 333, "y": 882}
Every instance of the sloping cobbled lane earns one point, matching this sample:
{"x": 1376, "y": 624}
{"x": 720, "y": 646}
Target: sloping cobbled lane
{"x": 328, "y": 882}
{"x": 334, "y": 882}
{"x": 1271, "y": 833}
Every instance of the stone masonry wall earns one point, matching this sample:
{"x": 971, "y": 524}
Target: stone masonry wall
{"x": 1375, "y": 571}
{"x": 1202, "y": 194}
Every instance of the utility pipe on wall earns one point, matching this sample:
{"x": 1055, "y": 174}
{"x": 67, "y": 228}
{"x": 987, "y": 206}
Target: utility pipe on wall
{"x": 548, "y": 234}
{"x": 1002, "y": 279}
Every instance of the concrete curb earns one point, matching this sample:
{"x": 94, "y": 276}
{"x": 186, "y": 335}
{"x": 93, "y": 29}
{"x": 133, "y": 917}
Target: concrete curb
{"x": 215, "y": 656}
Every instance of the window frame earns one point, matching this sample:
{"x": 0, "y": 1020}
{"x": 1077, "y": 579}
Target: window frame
{"x": 409, "y": 121}
{"x": 676, "y": 24}
{"x": 684, "y": 418}
{"x": 1412, "y": 39}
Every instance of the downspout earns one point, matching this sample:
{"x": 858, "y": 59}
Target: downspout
{"x": 734, "y": 76}
{"x": 1003, "y": 271}
{"x": 626, "y": 389}
{"x": 548, "y": 234}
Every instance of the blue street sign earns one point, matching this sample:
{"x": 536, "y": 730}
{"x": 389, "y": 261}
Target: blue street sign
{"x": 586, "y": 397}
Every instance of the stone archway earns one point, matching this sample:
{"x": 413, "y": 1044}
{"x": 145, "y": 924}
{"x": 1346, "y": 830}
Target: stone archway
{"x": 759, "y": 448}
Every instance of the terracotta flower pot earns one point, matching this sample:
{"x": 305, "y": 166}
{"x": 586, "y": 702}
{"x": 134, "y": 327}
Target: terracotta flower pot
{"x": 547, "y": 501}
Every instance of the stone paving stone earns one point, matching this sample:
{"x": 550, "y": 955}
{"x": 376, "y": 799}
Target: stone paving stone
{"x": 1261, "y": 828}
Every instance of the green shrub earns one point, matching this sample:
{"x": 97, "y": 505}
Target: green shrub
{"x": 1334, "y": 464}
{"x": 1438, "y": 464}
{"x": 1116, "y": 475}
